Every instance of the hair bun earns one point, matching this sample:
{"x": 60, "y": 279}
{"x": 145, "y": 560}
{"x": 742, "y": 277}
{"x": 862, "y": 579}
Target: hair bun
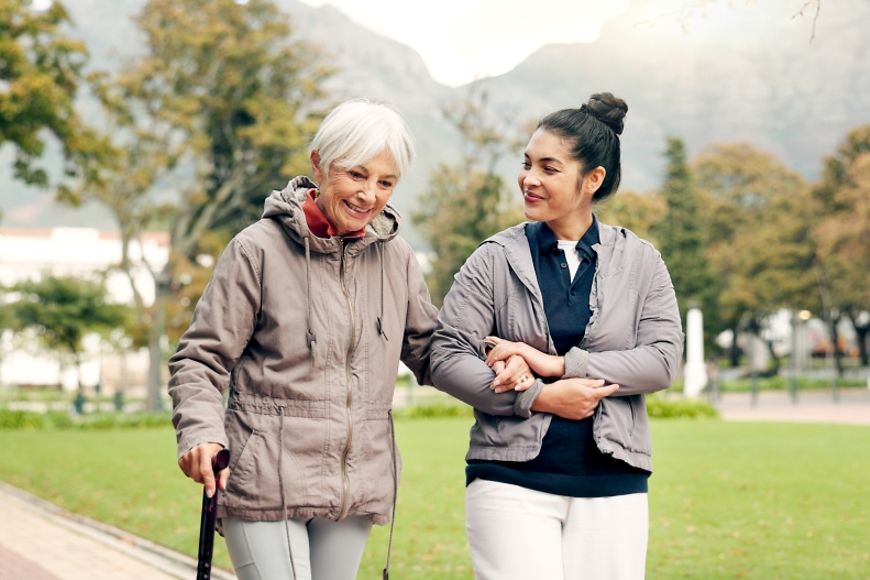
{"x": 608, "y": 109}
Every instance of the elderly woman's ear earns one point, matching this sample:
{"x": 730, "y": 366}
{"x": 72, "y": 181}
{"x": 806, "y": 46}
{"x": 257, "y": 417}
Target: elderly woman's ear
{"x": 315, "y": 166}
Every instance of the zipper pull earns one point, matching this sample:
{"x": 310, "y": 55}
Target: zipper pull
{"x": 380, "y": 326}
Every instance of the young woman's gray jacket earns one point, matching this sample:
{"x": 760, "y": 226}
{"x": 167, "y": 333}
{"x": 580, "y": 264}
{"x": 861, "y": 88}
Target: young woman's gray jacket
{"x": 634, "y": 338}
{"x": 307, "y": 334}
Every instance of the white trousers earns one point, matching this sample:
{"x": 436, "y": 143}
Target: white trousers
{"x": 519, "y": 533}
{"x": 322, "y": 549}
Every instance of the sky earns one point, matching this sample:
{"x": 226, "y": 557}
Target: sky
{"x": 462, "y": 40}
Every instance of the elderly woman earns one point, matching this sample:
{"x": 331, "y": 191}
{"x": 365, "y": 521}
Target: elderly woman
{"x": 557, "y": 469}
{"x": 305, "y": 320}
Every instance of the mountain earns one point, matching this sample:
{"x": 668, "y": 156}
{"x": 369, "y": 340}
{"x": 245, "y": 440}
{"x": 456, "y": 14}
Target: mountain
{"x": 770, "y": 86}
{"x": 747, "y": 75}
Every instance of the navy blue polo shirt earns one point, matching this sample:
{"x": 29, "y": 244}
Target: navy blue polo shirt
{"x": 569, "y": 463}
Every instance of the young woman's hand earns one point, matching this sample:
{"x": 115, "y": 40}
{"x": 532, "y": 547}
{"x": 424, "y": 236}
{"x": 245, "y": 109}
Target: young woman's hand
{"x": 541, "y": 363}
{"x": 196, "y": 464}
{"x": 513, "y": 375}
{"x": 572, "y": 398}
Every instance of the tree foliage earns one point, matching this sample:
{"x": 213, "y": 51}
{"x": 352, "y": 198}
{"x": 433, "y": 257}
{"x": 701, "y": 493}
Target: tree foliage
{"x": 40, "y": 75}
{"x": 681, "y": 233}
{"x": 218, "y": 112}
{"x": 639, "y": 212}
{"x": 842, "y": 232}
{"x": 468, "y": 201}
{"x": 759, "y": 217}
{"x": 62, "y": 310}
{"x": 226, "y": 101}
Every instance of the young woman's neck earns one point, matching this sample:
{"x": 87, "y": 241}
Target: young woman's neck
{"x": 571, "y": 227}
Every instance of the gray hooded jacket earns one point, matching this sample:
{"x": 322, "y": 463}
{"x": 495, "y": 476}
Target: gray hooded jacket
{"x": 307, "y": 334}
{"x": 634, "y": 338}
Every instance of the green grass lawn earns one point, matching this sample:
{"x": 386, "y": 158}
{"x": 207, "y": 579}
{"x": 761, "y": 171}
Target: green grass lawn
{"x": 727, "y": 500}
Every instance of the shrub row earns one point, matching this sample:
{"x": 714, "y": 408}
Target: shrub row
{"x": 781, "y": 383}
{"x": 30, "y": 420}
{"x": 657, "y": 407}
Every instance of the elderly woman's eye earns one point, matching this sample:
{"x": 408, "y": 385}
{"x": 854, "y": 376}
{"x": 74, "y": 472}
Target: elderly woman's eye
{"x": 356, "y": 174}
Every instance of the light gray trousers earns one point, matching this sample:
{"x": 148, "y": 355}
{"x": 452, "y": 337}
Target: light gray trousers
{"x": 321, "y": 549}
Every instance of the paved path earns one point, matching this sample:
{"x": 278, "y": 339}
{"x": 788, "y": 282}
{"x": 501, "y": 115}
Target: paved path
{"x": 852, "y": 407}
{"x": 39, "y": 541}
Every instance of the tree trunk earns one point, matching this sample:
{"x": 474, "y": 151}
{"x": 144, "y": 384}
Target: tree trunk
{"x": 861, "y": 336}
{"x": 861, "y": 332}
{"x": 78, "y": 363}
{"x": 734, "y": 350}
{"x": 777, "y": 361}
{"x": 835, "y": 345}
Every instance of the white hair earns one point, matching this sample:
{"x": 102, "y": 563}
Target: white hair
{"x": 357, "y": 131}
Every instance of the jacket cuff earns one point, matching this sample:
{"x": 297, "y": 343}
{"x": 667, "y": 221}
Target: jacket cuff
{"x": 525, "y": 399}
{"x": 576, "y": 363}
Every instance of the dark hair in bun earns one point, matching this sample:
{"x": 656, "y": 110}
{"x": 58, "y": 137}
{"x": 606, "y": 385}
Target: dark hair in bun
{"x": 594, "y": 128}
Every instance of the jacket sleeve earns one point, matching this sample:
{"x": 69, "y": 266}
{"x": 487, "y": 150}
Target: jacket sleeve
{"x": 650, "y": 366}
{"x": 419, "y": 324}
{"x": 467, "y": 317}
{"x": 223, "y": 322}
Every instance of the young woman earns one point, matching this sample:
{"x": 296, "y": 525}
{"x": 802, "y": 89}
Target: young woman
{"x": 557, "y": 468}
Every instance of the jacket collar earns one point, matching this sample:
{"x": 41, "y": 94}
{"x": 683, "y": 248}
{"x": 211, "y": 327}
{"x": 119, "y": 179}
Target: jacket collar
{"x": 519, "y": 255}
{"x": 318, "y": 223}
{"x": 543, "y": 237}
{"x": 285, "y": 206}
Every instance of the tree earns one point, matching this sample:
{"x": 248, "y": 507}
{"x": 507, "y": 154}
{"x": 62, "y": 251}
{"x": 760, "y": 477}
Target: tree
{"x": 681, "y": 235}
{"x": 842, "y": 235}
{"x": 216, "y": 114}
{"x": 468, "y": 201}
{"x": 639, "y": 212}
{"x": 759, "y": 218}
{"x": 40, "y": 75}
{"x": 61, "y": 311}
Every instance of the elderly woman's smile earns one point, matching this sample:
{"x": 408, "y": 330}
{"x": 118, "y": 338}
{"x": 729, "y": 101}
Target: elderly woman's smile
{"x": 352, "y": 197}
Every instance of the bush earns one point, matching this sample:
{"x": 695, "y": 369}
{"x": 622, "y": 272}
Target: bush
{"x": 660, "y": 408}
{"x": 21, "y": 420}
{"x": 125, "y": 421}
{"x": 430, "y": 411}
{"x": 781, "y": 383}
{"x": 64, "y": 421}
{"x": 657, "y": 407}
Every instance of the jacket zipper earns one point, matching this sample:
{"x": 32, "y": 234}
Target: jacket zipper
{"x": 345, "y": 482}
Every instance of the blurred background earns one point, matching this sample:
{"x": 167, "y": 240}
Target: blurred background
{"x": 138, "y": 137}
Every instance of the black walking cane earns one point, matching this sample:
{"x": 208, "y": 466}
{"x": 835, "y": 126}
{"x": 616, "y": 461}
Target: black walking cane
{"x": 207, "y": 518}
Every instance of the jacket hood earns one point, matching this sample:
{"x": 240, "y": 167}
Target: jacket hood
{"x": 285, "y": 206}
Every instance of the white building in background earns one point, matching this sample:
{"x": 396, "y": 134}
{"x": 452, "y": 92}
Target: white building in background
{"x": 33, "y": 253}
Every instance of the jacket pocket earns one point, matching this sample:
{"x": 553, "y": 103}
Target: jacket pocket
{"x": 243, "y": 443}
{"x": 622, "y": 420}
{"x": 641, "y": 440}
{"x": 376, "y": 464}
{"x": 507, "y": 438}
